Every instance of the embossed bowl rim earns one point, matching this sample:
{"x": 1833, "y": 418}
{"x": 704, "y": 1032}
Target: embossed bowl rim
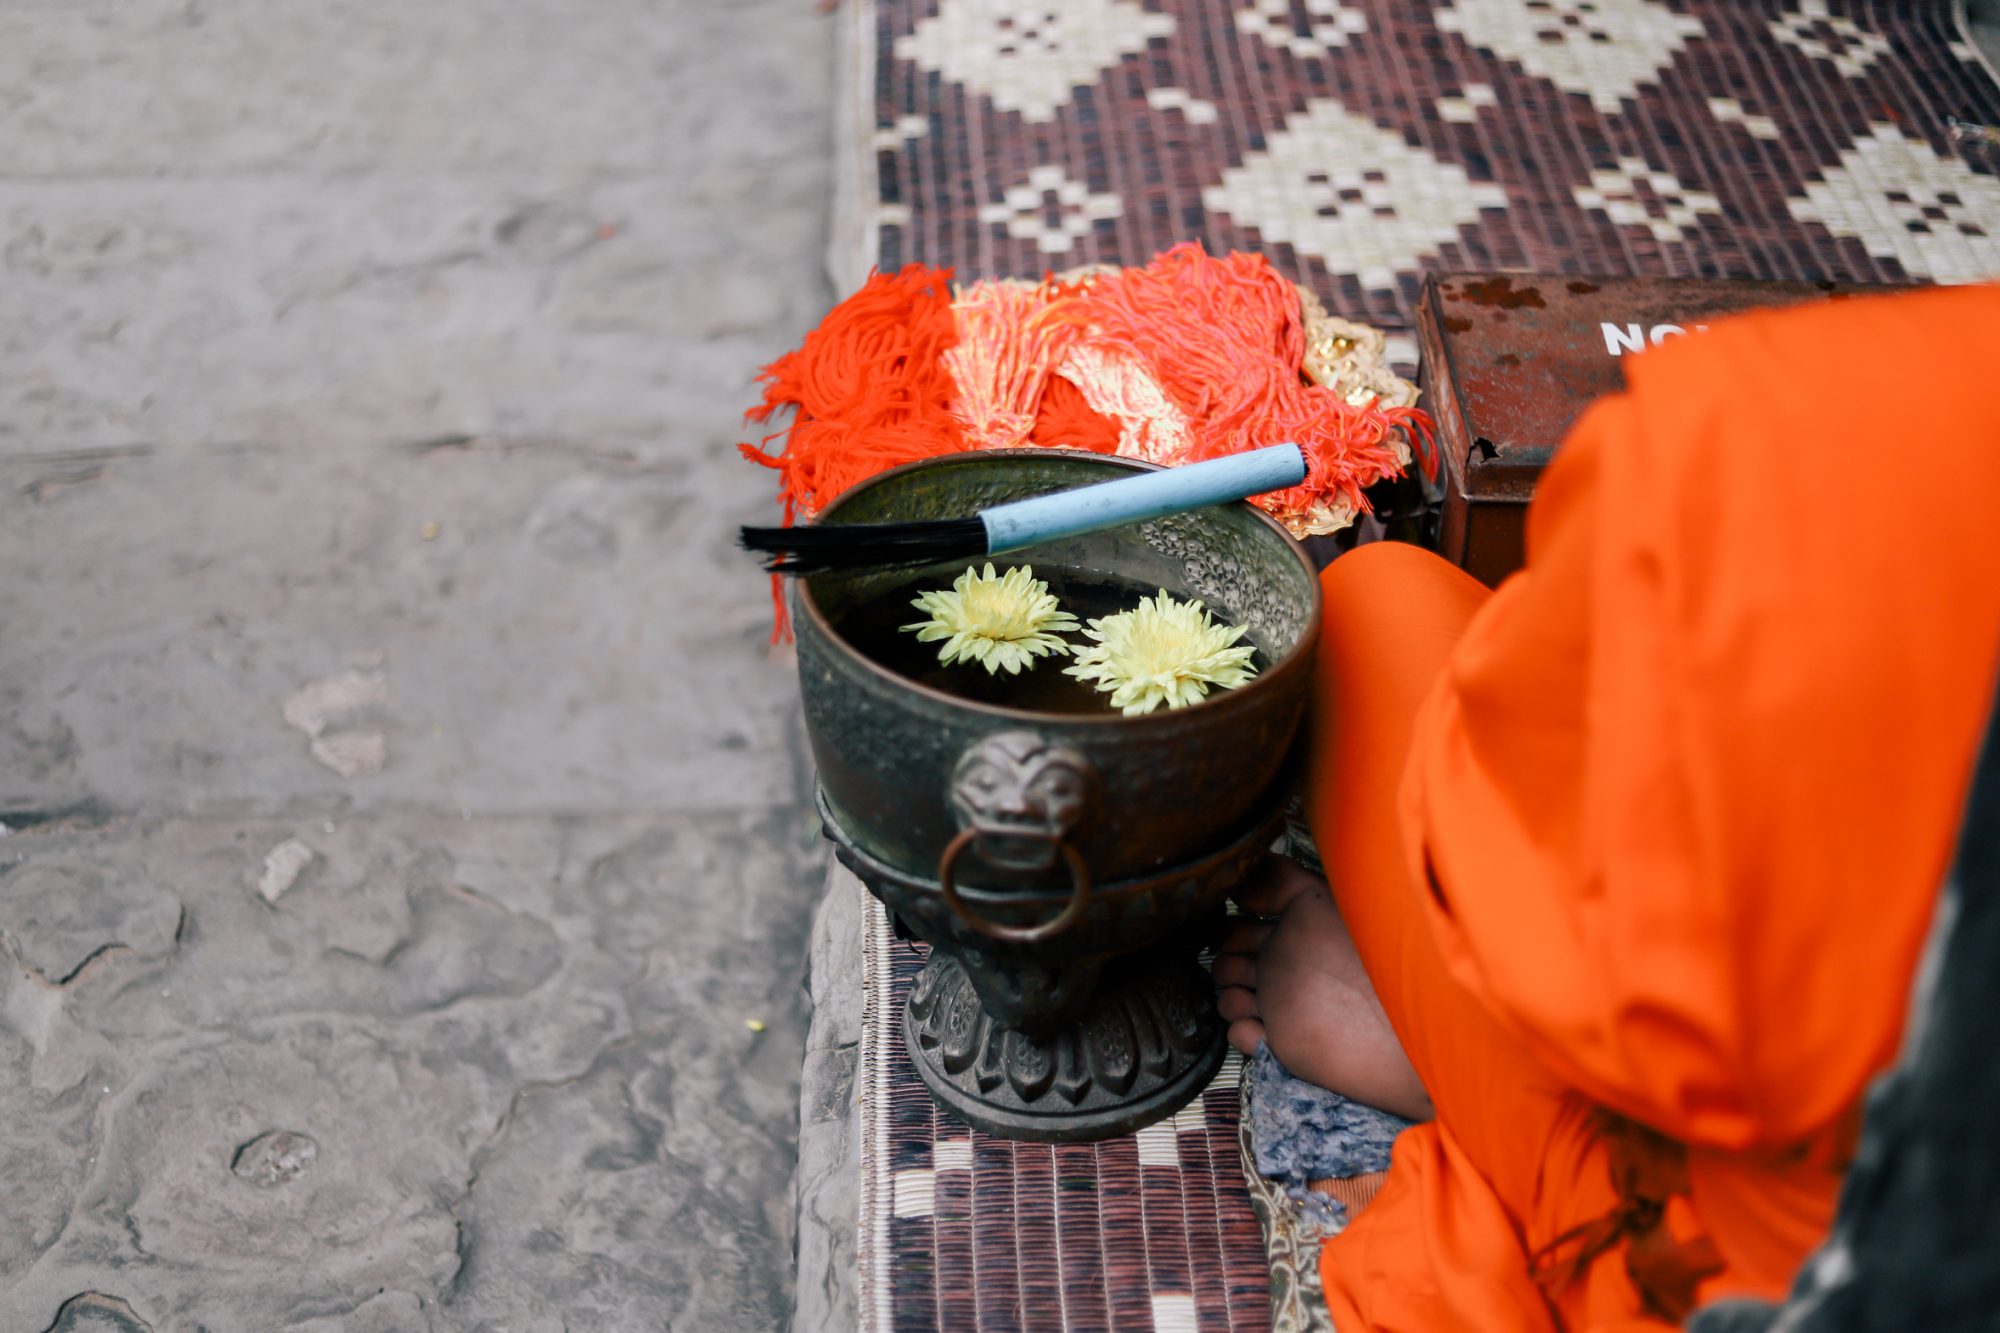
{"x": 1298, "y": 660}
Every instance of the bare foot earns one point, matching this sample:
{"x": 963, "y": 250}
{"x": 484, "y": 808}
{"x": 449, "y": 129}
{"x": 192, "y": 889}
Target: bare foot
{"x": 1290, "y": 976}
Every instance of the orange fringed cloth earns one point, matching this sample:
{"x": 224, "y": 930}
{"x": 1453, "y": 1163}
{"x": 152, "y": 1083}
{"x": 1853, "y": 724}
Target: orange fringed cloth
{"x": 1189, "y": 357}
{"x": 868, "y": 390}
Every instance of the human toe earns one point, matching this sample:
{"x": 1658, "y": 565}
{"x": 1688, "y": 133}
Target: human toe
{"x": 1246, "y": 1034}
{"x": 1235, "y": 969}
{"x": 1236, "y": 1002}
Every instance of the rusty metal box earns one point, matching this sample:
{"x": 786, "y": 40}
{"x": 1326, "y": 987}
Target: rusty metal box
{"x": 1509, "y": 362}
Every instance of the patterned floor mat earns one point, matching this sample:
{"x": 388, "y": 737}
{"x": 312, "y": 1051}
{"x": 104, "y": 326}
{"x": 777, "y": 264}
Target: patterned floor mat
{"x": 1359, "y": 142}
{"x": 960, "y": 1231}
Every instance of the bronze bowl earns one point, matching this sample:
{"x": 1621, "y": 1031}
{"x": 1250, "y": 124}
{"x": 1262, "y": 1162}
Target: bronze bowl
{"x": 1064, "y": 867}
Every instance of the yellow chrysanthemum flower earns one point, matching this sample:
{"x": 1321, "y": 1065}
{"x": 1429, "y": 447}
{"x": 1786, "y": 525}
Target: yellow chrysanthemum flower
{"x": 1003, "y": 623}
{"x": 1162, "y": 652}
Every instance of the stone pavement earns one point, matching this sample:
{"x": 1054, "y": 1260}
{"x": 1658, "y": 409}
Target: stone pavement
{"x": 406, "y": 874}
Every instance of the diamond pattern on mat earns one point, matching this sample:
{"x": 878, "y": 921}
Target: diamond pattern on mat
{"x": 1464, "y": 109}
{"x": 1197, "y": 111}
{"x": 1825, "y": 36}
{"x": 1730, "y": 112}
{"x": 890, "y": 138}
{"x": 1604, "y": 49}
{"x": 1326, "y": 23}
{"x": 1051, "y": 210}
{"x": 1933, "y": 215}
{"x": 1358, "y": 198}
{"x": 1634, "y": 194}
{"x": 1027, "y": 55}
{"x": 1735, "y": 113}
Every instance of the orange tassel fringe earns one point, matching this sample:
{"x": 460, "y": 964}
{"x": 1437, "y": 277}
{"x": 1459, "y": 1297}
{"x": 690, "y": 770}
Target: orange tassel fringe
{"x": 869, "y": 389}
{"x": 1006, "y": 351}
{"x": 1225, "y": 338}
{"x": 1065, "y": 421}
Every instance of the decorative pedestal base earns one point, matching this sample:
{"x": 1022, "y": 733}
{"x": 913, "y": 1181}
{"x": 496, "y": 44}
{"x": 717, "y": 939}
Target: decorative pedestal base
{"x": 1146, "y": 1045}
{"x": 1098, "y": 1027}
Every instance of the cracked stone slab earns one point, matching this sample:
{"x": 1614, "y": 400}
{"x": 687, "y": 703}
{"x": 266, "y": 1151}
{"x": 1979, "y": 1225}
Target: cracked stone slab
{"x": 220, "y": 594}
{"x": 827, "y": 1191}
{"x": 95, "y": 1312}
{"x": 352, "y": 86}
{"x": 47, "y": 1142}
{"x": 162, "y": 1210}
{"x": 391, "y": 918}
{"x": 712, "y": 951}
{"x": 326, "y": 354}
{"x": 59, "y": 913}
{"x": 389, "y": 1312}
{"x": 625, "y": 313}
{"x": 617, "y": 1198}
{"x": 400, "y": 916}
{"x": 402, "y": 1018}
{"x": 38, "y": 756}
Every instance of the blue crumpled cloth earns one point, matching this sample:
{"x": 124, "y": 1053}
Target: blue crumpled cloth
{"x": 1300, "y": 1133}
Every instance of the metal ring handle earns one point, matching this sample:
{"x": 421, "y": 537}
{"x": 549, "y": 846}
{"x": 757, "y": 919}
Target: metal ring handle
{"x": 1072, "y": 912}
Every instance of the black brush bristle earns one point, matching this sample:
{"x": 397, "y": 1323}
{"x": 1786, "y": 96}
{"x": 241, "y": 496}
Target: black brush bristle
{"x": 814, "y": 548}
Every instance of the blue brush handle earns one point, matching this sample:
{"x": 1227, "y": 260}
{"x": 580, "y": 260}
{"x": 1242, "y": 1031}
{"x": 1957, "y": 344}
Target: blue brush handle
{"x": 1172, "y": 490}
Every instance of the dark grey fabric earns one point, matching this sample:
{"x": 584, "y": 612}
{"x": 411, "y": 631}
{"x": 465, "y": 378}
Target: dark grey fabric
{"x": 1303, "y": 1133}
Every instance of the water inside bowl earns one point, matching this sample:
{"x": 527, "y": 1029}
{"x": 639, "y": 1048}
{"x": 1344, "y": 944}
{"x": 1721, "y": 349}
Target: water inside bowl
{"x": 874, "y": 628}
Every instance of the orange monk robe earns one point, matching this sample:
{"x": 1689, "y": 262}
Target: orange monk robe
{"x": 1675, "y": 803}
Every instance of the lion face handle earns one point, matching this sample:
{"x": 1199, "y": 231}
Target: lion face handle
{"x": 1021, "y": 797}
{"x": 1018, "y": 801}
